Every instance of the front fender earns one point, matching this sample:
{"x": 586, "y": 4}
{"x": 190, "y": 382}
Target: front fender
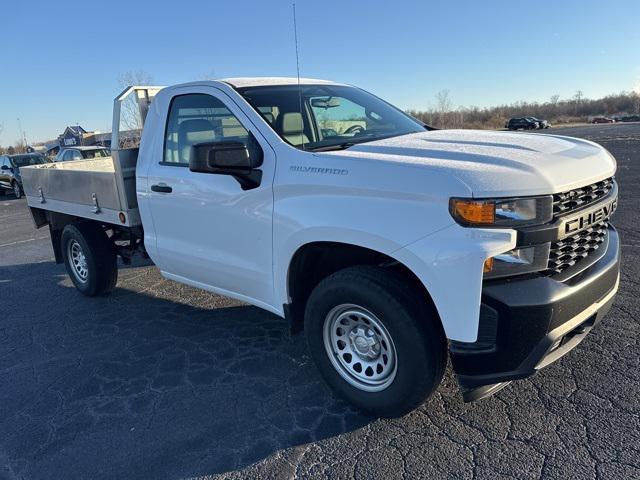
{"x": 449, "y": 263}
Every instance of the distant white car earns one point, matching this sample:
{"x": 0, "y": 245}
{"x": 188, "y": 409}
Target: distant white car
{"x": 81, "y": 153}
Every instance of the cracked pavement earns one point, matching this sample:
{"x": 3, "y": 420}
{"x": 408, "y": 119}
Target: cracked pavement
{"x": 159, "y": 380}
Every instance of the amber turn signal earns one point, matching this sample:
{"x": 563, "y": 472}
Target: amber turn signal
{"x": 474, "y": 212}
{"x": 488, "y": 265}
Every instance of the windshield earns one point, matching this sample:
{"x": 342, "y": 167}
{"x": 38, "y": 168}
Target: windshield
{"x": 334, "y": 116}
{"x": 28, "y": 160}
{"x": 100, "y": 153}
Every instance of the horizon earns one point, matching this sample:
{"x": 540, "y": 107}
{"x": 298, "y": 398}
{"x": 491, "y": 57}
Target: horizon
{"x": 484, "y": 56}
{"x": 454, "y": 108}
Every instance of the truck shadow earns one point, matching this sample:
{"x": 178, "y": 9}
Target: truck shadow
{"x": 156, "y": 380}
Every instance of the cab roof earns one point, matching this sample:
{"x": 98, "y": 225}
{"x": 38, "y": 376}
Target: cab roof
{"x": 242, "y": 82}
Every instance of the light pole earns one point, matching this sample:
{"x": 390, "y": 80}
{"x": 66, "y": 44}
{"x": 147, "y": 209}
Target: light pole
{"x": 24, "y": 137}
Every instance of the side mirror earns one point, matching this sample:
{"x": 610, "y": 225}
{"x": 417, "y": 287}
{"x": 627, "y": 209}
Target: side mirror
{"x": 4, "y": 167}
{"x": 229, "y": 158}
{"x": 219, "y": 155}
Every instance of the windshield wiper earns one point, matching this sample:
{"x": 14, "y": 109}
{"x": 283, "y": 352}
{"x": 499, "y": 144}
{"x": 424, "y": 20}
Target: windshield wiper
{"x": 327, "y": 148}
{"x": 351, "y": 143}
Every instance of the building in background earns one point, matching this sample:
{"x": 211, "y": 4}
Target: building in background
{"x": 76, "y": 136}
{"x": 73, "y": 136}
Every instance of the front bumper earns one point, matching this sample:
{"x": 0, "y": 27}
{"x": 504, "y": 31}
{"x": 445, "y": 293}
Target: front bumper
{"x": 526, "y": 324}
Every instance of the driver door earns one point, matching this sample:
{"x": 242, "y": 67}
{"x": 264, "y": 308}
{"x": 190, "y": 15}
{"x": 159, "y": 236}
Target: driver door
{"x": 209, "y": 231}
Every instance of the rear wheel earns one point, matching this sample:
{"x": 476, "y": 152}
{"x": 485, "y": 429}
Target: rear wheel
{"x": 17, "y": 191}
{"x": 90, "y": 258}
{"x": 375, "y": 340}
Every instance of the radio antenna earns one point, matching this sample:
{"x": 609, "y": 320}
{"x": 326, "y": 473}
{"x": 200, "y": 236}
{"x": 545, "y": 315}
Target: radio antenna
{"x": 295, "y": 36}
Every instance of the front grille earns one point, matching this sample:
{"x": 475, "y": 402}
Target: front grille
{"x": 570, "y": 250}
{"x": 580, "y": 197}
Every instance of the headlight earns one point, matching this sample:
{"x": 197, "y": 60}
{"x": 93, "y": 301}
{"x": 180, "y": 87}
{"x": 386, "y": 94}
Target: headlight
{"x": 502, "y": 212}
{"x": 517, "y": 262}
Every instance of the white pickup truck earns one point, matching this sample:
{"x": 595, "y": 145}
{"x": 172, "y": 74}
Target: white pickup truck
{"x": 392, "y": 244}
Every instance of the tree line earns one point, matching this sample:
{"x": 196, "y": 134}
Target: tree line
{"x": 18, "y": 147}
{"x": 443, "y": 114}
{"x": 578, "y": 109}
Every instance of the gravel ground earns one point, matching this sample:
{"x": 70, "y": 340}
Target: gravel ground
{"x": 159, "y": 380}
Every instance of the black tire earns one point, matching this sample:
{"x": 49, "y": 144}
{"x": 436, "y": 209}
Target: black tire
{"x": 99, "y": 254}
{"x": 17, "y": 191}
{"x": 412, "y": 324}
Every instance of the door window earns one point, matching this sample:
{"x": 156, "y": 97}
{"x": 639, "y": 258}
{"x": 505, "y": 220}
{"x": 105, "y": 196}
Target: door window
{"x": 195, "y": 119}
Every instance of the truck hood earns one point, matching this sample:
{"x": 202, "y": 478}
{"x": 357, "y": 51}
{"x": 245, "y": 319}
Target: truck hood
{"x": 497, "y": 163}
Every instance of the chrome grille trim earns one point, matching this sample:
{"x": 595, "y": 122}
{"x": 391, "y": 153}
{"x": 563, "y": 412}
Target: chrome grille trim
{"x": 570, "y": 250}
{"x": 571, "y": 200}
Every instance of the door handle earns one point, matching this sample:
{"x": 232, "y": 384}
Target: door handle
{"x": 161, "y": 188}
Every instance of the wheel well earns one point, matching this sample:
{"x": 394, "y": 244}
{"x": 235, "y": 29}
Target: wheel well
{"x": 57, "y": 221}
{"x": 314, "y": 262}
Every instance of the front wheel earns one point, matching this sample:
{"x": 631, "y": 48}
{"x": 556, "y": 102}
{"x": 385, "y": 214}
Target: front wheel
{"x": 90, "y": 258}
{"x": 375, "y": 340}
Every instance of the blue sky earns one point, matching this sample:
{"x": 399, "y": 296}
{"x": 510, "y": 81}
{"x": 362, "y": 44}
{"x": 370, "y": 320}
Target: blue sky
{"x": 61, "y": 60}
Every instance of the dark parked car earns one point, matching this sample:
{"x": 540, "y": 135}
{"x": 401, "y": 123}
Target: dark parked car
{"x": 10, "y": 179}
{"x": 80, "y": 153}
{"x": 541, "y": 122}
{"x": 524, "y": 123}
{"x": 602, "y": 120}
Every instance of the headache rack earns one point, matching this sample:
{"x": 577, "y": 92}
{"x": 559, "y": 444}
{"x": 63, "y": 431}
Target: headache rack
{"x": 102, "y": 189}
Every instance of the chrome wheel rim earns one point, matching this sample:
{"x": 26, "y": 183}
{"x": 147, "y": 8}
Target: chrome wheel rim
{"x": 78, "y": 261}
{"x": 360, "y": 348}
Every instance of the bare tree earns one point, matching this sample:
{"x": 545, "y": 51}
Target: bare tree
{"x": 210, "y": 75}
{"x": 20, "y": 146}
{"x": 635, "y": 100}
{"x": 577, "y": 98}
{"x": 134, "y": 77}
{"x": 444, "y": 105}
{"x": 635, "y": 97}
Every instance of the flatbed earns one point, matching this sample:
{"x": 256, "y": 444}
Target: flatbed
{"x": 98, "y": 189}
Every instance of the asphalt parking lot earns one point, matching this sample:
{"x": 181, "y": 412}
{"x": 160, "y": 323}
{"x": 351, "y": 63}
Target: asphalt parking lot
{"x": 159, "y": 380}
